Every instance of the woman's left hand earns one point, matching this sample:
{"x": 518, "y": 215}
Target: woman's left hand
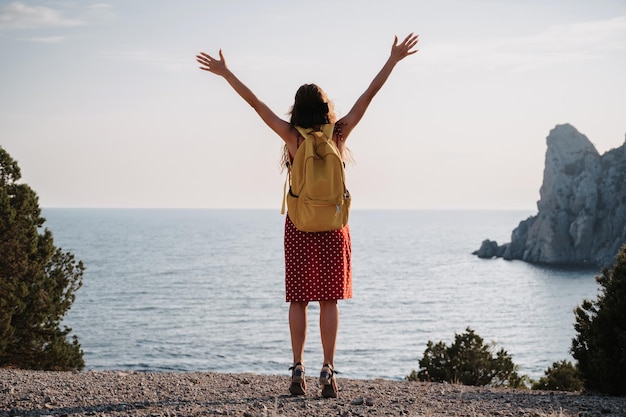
{"x": 216, "y": 66}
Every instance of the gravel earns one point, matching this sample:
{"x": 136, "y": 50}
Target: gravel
{"x": 114, "y": 393}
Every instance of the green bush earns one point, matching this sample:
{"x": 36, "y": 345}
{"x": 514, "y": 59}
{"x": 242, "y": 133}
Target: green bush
{"x": 600, "y": 345}
{"x": 467, "y": 361}
{"x": 37, "y": 282}
{"x": 561, "y": 376}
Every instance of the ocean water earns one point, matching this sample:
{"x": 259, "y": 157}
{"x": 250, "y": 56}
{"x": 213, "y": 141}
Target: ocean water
{"x": 203, "y": 290}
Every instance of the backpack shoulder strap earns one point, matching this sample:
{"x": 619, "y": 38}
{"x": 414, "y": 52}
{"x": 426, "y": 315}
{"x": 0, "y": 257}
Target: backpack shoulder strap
{"x": 327, "y": 131}
{"x": 282, "y": 210}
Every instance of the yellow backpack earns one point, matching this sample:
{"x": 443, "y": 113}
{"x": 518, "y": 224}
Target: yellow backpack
{"x": 318, "y": 200}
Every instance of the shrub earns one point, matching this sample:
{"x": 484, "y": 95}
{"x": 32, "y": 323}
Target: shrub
{"x": 467, "y": 361}
{"x": 600, "y": 345}
{"x": 561, "y": 376}
{"x": 37, "y": 282}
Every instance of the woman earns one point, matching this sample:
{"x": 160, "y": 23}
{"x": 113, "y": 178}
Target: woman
{"x": 317, "y": 264}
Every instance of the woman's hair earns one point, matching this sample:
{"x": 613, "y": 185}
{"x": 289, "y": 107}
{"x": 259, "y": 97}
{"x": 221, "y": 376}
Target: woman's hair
{"x": 311, "y": 107}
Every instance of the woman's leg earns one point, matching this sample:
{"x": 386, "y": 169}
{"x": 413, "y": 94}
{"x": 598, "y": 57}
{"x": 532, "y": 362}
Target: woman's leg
{"x": 297, "y": 327}
{"x": 329, "y": 324}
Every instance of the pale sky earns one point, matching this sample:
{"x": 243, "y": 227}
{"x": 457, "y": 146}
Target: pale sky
{"x": 103, "y": 104}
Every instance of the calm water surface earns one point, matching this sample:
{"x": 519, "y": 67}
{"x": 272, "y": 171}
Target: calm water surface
{"x": 203, "y": 290}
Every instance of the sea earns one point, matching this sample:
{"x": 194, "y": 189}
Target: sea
{"x": 186, "y": 290}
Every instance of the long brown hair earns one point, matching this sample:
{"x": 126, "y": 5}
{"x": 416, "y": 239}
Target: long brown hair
{"x": 311, "y": 109}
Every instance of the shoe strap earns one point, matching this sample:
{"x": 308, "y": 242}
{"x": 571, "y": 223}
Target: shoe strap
{"x": 330, "y": 367}
{"x": 295, "y": 365}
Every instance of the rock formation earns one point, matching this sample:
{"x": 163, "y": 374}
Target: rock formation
{"x": 581, "y": 217}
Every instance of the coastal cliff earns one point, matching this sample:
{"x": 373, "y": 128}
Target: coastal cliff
{"x": 581, "y": 217}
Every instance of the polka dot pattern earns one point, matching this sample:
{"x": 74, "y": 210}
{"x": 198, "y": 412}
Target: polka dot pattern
{"x": 318, "y": 265}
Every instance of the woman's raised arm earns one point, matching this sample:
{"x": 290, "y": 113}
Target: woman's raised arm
{"x": 219, "y": 67}
{"x": 398, "y": 52}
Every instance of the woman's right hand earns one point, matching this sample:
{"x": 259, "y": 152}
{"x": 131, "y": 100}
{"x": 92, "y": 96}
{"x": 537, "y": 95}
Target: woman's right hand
{"x": 403, "y": 50}
{"x": 210, "y": 64}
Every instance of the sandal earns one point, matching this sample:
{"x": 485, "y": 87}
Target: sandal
{"x": 298, "y": 382}
{"x": 328, "y": 381}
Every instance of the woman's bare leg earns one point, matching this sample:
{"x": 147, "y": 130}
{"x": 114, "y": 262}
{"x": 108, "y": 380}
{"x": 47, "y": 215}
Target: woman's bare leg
{"x": 297, "y": 327}
{"x": 329, "y": 324}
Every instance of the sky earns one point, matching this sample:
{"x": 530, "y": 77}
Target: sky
{"x": 103, "y": 105}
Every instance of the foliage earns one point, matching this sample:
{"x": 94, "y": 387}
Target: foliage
{"x": 467, "y": 361}
{"x": 37, "y": 282}
{"x": 600, "y": 343}
{"x": 561, "y": 376}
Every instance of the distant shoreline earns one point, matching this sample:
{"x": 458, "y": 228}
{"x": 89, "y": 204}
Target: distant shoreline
{"x": 277, "y": 209}
{"x": 117, "y": 393}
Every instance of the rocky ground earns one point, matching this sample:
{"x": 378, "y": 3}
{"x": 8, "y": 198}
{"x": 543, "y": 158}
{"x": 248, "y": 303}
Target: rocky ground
{"x": 112, "y": 393}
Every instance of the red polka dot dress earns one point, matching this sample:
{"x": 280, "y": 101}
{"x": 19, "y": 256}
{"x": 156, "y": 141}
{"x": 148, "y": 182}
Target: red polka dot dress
{"x": 318, "y": 265}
